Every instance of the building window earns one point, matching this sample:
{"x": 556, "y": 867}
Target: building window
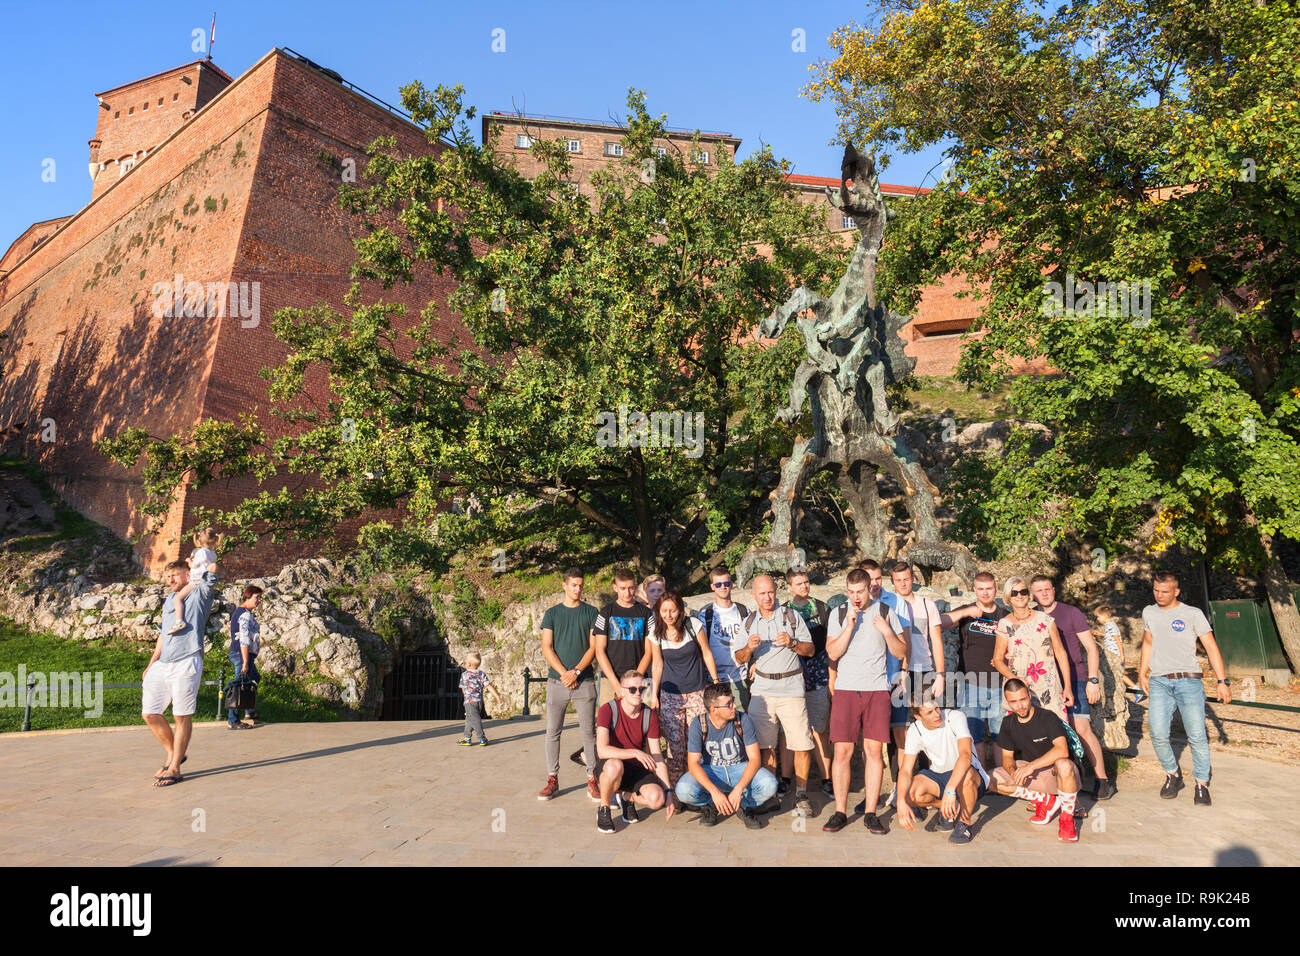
{"x": 573, "y": 146}
{"x": 522, "y": 141}
{"x": 661, "y": 151}
{"x": 160, "y": 101}
{"x": 175, "y": 97}
{"x": 613, "y": 149}
{"x": 146, "y": 105}
{"x": 117, "y": 115}
{"x": 130, "y": 111}
{"x": 702, "y": 157}
{"x": 846, "y": 222}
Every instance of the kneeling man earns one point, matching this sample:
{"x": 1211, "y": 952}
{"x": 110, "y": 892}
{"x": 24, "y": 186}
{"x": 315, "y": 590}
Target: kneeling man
{"x": 627, "y": 740}
{"x": 954, "y": 781}
{"x": 725, "y": 772}
{"x": 1036, "y": 764}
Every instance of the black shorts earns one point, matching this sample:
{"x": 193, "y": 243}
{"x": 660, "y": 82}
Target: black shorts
{"x": 636, "y": 776}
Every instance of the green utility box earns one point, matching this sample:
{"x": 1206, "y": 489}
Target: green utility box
{"x": 1248, "y": 640}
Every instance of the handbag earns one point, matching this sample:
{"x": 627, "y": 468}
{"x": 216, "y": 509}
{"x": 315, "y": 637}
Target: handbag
{"x": 240, "y": 694}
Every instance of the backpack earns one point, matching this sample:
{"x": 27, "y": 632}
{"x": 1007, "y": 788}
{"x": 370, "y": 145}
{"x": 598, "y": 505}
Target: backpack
{"x": 704, "y": 730}
{"x": 645, "y": 720}
{"x": 707, "y": 616}
{"x": 1072, "y": 738}
{"x": 787, "y": 615}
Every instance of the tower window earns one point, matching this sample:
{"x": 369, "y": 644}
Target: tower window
{"x": 146, "y": 104}
{"x": 613, "y": 149}
{"x": 175, "y": 97}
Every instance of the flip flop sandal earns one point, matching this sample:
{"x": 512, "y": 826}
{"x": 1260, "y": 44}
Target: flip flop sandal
{"x": 164, "y": 766}
{"x": 168, "y": 781}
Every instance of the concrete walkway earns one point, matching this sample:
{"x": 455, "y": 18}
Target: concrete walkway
{"x": 405, "y": 793}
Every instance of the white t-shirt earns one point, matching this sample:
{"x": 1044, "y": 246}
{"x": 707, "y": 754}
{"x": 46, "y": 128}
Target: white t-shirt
{"x": 940, "y": 744}
{"x": 199, "y": 562}
{"x": 727, "y": 634}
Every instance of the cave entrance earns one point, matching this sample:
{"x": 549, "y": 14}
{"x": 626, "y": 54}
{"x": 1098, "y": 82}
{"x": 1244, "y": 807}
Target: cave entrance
{"x": 424, "y": 685}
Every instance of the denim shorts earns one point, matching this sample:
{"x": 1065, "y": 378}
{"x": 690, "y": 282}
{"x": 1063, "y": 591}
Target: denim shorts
{"x": 983, "y": 709}
{"x": 1081, "y": 707}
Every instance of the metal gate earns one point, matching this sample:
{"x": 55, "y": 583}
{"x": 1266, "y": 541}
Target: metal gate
{"x": 423, "y": 686}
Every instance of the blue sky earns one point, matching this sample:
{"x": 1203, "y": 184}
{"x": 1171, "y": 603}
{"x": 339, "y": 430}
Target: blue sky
{"x": 720, "y": 66}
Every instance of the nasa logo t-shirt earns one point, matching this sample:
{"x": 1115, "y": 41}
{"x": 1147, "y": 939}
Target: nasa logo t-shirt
{"x": 1174, "y": 631}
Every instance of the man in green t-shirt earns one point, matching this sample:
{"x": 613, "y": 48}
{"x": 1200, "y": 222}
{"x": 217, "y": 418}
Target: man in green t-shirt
{"x": 569, "y": 648}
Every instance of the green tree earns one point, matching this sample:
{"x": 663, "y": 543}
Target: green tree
{"x": 1144, "y": 141}
{"x": 644, "y": 298}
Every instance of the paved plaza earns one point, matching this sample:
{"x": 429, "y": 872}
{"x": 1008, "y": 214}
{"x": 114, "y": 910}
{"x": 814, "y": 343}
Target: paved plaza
{"x": 387, "y": 793}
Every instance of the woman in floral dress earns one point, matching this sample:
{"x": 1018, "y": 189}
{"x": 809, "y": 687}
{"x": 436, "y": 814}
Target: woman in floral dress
{"x": 1029, "y": 647}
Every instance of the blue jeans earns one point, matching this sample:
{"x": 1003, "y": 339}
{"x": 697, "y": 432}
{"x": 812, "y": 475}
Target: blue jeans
{"x": 1188, "y": 695}
{"x": 982, "y": 706}
{"x": 238, "y": 662}
{"x": 760, "y": 790}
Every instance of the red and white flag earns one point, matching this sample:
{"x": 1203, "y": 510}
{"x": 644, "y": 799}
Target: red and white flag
{"x": 212, "y": 34}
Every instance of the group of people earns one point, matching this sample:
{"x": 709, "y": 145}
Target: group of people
{"x": 175, "y": 670}
{"x": 724, "y": 687}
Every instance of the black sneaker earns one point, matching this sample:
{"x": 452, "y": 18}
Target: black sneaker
{"x": 709, "y": 815}
{"x": 1105, "y": 789}
{"x": 1173, "y": 783}
{"x": 578, "y": 758}
{"x": 873, "y": 824}
{"x": 836, "y": 823}
{"x": 944, "y": 825}
{"x": 960, "y": 835}
{"x": 1202, "y": 798}
{"x": 752, "y": 820}
{"x": 783, "y": 787}
{"x": 603, "y": 822}
{"x": 860, "y": 807}
{"x": 629, "y": 811}
{"x": 828, "y": 788}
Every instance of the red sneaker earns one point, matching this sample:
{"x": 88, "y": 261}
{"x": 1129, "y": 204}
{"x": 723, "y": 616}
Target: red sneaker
{"x": 593, "y": 789}
{"x": 551, "y": 789}
{"x": 1066, "y": 832}
{"x": 1046, "y": 810}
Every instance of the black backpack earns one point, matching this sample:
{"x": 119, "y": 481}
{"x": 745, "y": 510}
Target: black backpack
{"x": 704, "y": 730}
{"x": 707, "y": 616}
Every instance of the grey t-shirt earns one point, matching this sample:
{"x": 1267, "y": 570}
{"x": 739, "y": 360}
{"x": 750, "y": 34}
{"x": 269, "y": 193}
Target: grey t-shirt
{"x": 778, "y": 660}
{"x": 1174, "y": 631}
{"x": 862, "y": 666}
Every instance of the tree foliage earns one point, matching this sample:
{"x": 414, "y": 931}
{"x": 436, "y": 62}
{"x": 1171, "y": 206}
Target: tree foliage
{"x": 1143, "y": 141}
{"x": 643, "y": 297}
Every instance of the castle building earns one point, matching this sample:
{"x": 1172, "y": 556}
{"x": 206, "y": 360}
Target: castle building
{"x": 213, "y": 203}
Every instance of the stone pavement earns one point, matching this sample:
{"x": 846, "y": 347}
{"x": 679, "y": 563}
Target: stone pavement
{"x": 391, "y": 793}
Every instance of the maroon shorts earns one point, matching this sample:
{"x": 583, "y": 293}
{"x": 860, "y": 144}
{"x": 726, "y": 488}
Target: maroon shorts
{"x": 859, "y": 713}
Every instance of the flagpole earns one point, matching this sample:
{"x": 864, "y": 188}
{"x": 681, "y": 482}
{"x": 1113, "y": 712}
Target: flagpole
{"x": 212, "y": 35}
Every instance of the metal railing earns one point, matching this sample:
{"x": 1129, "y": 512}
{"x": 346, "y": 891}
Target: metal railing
{"x": 220, "y": 682}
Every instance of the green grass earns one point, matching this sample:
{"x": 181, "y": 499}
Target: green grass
{"x": 947, "y": 396}
{"x": 278, "y": 700}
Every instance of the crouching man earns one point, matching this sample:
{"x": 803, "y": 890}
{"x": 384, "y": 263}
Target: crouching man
{"x": 953, "y": 782}
{"x": 1036, "y": 764}
{"x": 627, "y": 740}
{"x": 725, "y": 773}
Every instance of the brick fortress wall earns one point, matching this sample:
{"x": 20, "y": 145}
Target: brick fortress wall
{"x": 241, "y": 192}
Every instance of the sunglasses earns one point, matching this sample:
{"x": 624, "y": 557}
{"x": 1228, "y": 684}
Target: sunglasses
{"x": 721, "y": 584}
{"x": 1020, "y": 593}
{"x": 634, "y": 690}
{"x": 731, "y": 706}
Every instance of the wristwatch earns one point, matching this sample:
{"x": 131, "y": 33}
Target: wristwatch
{"x": 1093, "y": 680}
{"x": 1223, "y": 680}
